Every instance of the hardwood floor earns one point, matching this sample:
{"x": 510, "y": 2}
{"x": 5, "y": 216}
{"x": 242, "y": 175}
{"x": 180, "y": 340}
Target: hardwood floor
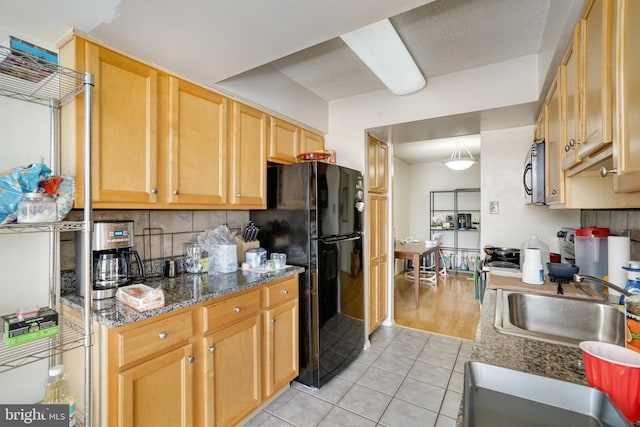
{"x": 449, "y": 309}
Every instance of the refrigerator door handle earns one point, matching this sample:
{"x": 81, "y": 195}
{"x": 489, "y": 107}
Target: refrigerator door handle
{"x": 329, "y": 240}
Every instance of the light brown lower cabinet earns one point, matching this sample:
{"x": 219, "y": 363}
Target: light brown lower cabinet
{"x": 210, "y": 364}
{"x": 158, "y": 392}
{"x": 232, "y": 372}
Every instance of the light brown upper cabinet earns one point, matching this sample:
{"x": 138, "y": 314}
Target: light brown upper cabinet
{"x": 248, "y": 157}
{"x": 571, "y": 102}
{"x": 596, "y": 62}
{"x": 283, "y": 141}
{"x": 377, "y": 152}
{"x": 158, "y": 141}
{"x": 125, "y": 127}
{"x": 197, "y": 146}
{"x": 554, "y": 134}
{"x": 627, "y": 154}
{"x": 310, "y": 141}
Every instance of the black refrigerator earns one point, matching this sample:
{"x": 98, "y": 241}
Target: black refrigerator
{"x": 315, "y": 215}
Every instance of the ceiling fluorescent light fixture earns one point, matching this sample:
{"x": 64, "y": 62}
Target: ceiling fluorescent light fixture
{"x": 457, "y": 162}
{"x": 379, "y": 46}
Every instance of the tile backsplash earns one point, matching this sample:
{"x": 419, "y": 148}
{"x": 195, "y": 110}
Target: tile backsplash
{"x": 618, "y": 221}
{"x": 158, "y": 233}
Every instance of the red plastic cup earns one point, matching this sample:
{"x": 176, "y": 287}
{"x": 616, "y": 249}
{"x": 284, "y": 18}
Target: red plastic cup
{"x": 615, "y": 370}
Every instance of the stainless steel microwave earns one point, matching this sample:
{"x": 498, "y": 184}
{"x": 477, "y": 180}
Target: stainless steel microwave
{"x": 533, "y": 176}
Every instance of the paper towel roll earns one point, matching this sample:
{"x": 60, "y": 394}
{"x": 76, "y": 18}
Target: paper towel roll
{"x": 618, "y": 253}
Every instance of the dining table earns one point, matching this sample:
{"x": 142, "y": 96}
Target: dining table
{"x": 415, "y": 251}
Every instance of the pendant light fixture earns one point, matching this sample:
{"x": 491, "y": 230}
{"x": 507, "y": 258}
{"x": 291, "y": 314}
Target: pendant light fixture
{"x": 458, "y": 163}
{"x": 379, "y": 46}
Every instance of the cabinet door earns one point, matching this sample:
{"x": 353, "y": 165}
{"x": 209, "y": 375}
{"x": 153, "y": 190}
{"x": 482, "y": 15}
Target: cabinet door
{"x": 383, "y": 258}
{"x": 283, "y": 141}
{"x": 554, "y": 135}
{"x": 281, "y": 346}
{"x": 310, "y": 141}
{"x": 248, "y": 172}
{"x": 158, "y": 392}
{"x": 375, "y": 281}
{"x": 197, "y": 145}
{"x": 232, "y": 373}
{"x": 571, "y": 98}
{"x": 377, "y": 153}
{"x": 596, "y": 76}
{"x": 125, "y": 140}
{"x": 627, "y": 178}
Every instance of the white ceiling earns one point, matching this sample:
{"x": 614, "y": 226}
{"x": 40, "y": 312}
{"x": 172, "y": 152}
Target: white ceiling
{"x": 209, "y": 41}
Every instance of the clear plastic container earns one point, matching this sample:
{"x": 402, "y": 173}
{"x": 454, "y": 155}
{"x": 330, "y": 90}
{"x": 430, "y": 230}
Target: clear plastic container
{"x": 57, "y": 392}
{"x": 37, "y": 207}
{"x": 535, "y": 243}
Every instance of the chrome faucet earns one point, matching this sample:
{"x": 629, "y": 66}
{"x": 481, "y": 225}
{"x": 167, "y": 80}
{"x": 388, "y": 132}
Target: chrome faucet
{"x": 579, "y": 278}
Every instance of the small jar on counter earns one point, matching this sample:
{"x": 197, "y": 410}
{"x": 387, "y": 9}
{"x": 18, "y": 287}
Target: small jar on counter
{"x": 37, "y": 207}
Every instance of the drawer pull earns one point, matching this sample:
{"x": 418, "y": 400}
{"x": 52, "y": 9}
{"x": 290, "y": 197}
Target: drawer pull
{"x": 154, "y": 191}
{"x": 285, "y": 291}
{"x": 163, "y": 335}
{"x": 212, "y": 349}
{"x": 237, "y": 309}
{"x": 273, "y": 320}
{"x": 190, "y": 359}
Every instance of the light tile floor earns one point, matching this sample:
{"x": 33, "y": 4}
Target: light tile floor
{"x": 407, "y": 378}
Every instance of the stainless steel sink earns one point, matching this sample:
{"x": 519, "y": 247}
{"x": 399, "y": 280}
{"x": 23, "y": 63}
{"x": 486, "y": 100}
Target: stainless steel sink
{"x": 494, "y": 396}
{"x": 558, "y": 319}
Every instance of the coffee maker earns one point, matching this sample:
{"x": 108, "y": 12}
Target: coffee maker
{"x": 112, "y": 253}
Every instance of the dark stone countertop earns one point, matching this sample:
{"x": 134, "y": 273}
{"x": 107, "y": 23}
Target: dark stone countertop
{"x": 179, "y": 292}
{"x": 522, "y": 354}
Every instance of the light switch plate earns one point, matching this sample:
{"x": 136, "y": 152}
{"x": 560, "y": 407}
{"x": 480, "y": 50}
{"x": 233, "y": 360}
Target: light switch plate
{"x": 494, "y": 207}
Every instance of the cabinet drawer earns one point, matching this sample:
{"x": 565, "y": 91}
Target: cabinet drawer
{"x": 279, "y": 292}
{"x": 230, "y": 310}
{"x": 143, "y": 341}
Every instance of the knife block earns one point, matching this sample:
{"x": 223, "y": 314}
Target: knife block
{"x": 242, "y": 246}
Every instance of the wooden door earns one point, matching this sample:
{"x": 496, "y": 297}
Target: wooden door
{"x": 554, "y": 135}
{"x": 310, "y": 141}
{"x": 248, "y": 172}
{"x": 383, "y": 258}
{"x": 627, "y": 178}
{"x": 125, "y": 140}
{"x": 232, "y": 373}
{"x": 374, "y": 261}
{"x": 158, "y": 392}
{"x": 197, "y": 155}
{"x": 377, "y": 153}
{"x": 283, "y": 141}
{"x": 571, "y": 98}
{"x": 596, "y": 76}
{"x": 281, "y": 346}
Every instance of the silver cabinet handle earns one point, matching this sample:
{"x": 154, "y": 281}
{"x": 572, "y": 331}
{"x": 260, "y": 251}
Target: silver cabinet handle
{"x": 273, "y": 320}
{"x": 154, "y": 191}
{"x": 604, "y": 171}
{"x": 190, "y": 359}
{"x": 554, "y": 192}
{"x": 567, "y": 148}
{"x": 212, "y": 349}
{"x": 163, "y": 335}
{"x": 237, "y": 309}
{"x": 285, "y": 291}
{"x": 176, "y": 192}
{"x": 238, "y": 195}
{"x": 573, "y": 142}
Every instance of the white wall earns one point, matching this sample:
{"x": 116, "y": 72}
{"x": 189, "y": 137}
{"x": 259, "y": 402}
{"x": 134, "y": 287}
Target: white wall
{"x": 427, "y": 177}
{"x": 498, "y": 85}
{"x": 274, "y": 92}
{"x": 502, "y": 153}
{"x": 24, "y": 138}
{"x": 401, "y": 199}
